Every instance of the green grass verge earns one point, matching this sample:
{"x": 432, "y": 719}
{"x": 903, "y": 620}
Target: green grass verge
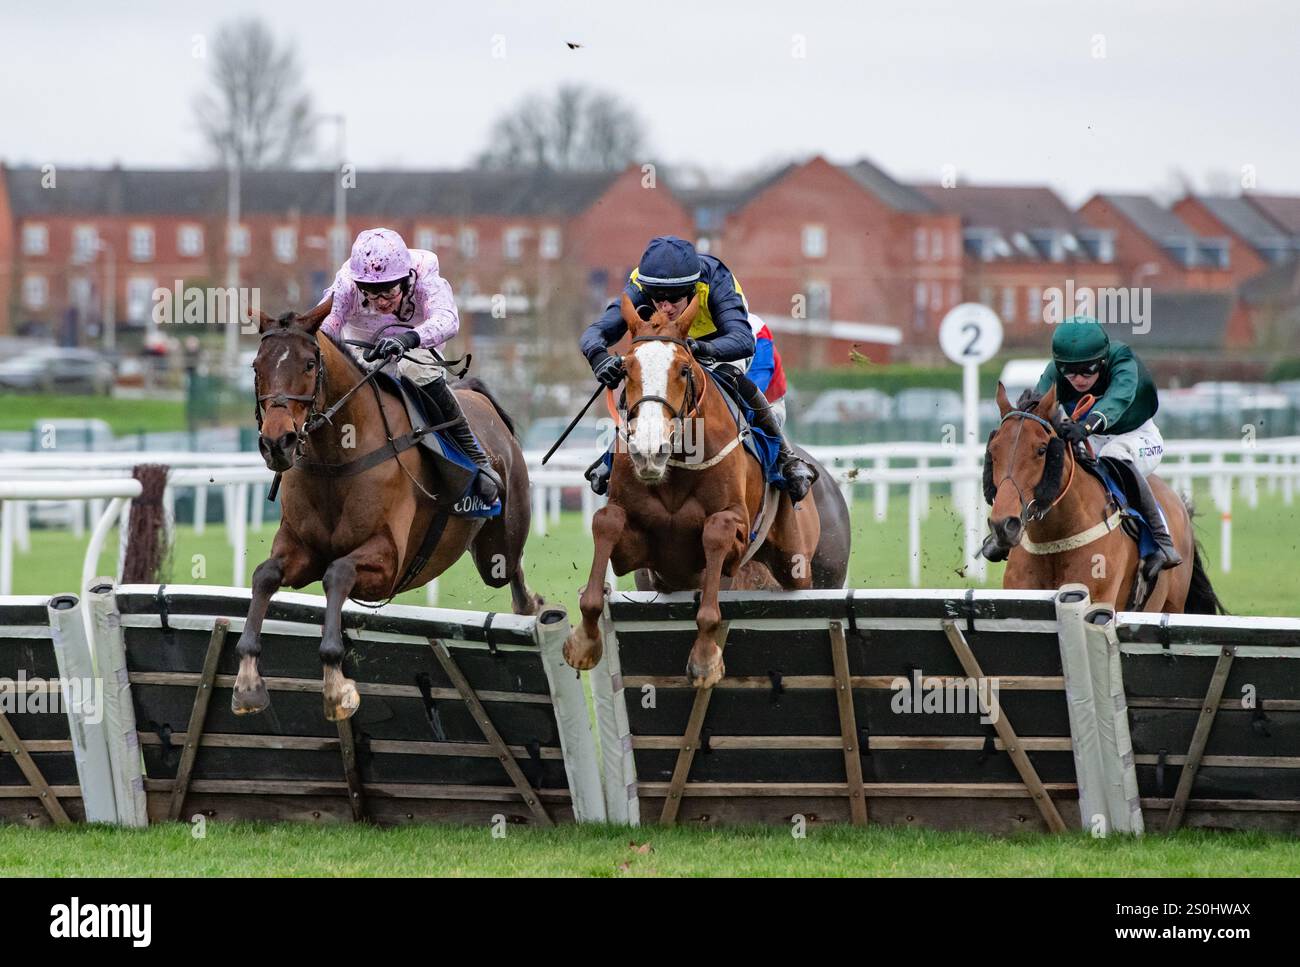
{"x": 20, "y": 412}
{"x": 248, "y": 849}
{"x": 1263, "y": 580}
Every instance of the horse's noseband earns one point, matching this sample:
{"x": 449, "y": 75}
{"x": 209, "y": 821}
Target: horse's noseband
{"x": 1026, "y": 506}
{"x": 690, "y": 400}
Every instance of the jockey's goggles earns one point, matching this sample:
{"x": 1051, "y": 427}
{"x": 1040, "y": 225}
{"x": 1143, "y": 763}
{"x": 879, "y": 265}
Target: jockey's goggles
{"x": 381, "y": 290}
{"x": 1082, "y": 369}
{"x": 655, "y": 294}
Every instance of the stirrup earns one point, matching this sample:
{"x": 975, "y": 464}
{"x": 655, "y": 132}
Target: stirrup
{"x": 488, "y": 485}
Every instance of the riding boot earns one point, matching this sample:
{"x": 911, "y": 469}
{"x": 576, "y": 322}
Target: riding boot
{"x": 799, "y": 474}
{"x": 1166, "y": 553}
{"x": 488, "y": 483}
{"x": 598, "y": 476}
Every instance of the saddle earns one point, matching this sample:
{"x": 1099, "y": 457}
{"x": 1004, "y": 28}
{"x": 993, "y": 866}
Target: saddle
{"x": 1118, "y": 479}
{"x": 455, "y": 470}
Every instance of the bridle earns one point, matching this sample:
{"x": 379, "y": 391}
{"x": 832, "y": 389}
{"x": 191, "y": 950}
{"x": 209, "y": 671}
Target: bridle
{"x": 689, "y": 402}
{"x": 1025, "y": 506}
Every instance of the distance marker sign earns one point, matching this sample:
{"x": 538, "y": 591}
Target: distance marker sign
{"x": 970, "y": 334}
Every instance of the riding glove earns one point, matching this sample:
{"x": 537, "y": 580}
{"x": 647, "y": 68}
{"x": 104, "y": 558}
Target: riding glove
{"x": 608, "y": 369}
{"x": 1078, "y": 432}
{"x": 393, "y": 346}
{"x": 702, "y": 351}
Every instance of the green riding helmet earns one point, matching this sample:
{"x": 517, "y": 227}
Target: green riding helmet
{"x": 1080, "y": 339}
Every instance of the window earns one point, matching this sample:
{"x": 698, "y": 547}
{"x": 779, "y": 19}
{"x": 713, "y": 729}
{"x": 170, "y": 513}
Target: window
{"x": 139, "y": 298}
{"x": 936, "y": 245}
{"x": 936, "y": 296}
{"x": 140, "y": 243}
{"x": 80, "y": 292}
{"x": 986, "y": 296}
{"x": 819, "y": 300}
{"x": 36, "y": 240}
{"x": 1034, "y": 304}
{"x": 920, "y": 244}
{"x": 954, "y": 247}
{"x": 425, "y": 238}
{"x": 814, "y": 241}
{"x": 549, "y": 247}
{"x": 36, "y": 291}
{"x": 918, "y": 315}
{"x": 238, "y": 243}
{"x": 1008, "y": 303}
{"x": 512, "y": 244}
{"x": 85, "y": 243}
{"x": 284, "y": 241}
{"x": 468, "y": 242}
{"x": 189, "y": 240}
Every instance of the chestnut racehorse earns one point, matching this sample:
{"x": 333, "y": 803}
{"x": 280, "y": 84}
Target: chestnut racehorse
{"x": 1061, "y": 525}
{"x": 688, "y": 522}
{"x": 359, "y": 530}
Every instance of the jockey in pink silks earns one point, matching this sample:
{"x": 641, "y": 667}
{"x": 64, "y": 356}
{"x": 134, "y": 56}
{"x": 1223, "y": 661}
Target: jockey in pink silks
{"x": 393, "y": 298}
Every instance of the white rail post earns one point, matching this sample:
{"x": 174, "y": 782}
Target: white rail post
{"x": 914, "y": 510}
{"x": 555, "y": 494}
{"x": 1249, "y": 481}
{"x": 22, "y": 528}
{"x": 123, "y": 533}
{"x": 539, "y": 512}
{"x": 431, "y": 593}
{"x": 200, "y": 509}
{"x": 881, "y": 490}
{"x": 923, "y": 465}
{"x": 588, "y": 507}
{"x": 239, "y": 535}
{"x": 6, "y": 547}
{"x": 259, "y": 507}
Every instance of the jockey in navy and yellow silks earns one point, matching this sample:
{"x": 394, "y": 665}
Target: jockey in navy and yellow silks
{"x": 668, "y": 276}
{"x": 723, "y": 319}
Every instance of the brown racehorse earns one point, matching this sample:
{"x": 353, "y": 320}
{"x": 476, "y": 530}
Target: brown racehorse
{"x": 358, "y": 533}
{"x": 690, "y": 528}
{"x": 1053, "y": 516}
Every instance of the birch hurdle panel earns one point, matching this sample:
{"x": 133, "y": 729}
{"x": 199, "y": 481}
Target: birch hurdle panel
{"x": 814, "y": 717}
{"x": 1215, "y": 710}
{"x": 464, "y": 715}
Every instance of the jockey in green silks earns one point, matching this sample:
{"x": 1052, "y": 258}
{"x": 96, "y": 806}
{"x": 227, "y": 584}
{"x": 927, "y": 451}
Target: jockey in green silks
{"x": 1119, "y": 424}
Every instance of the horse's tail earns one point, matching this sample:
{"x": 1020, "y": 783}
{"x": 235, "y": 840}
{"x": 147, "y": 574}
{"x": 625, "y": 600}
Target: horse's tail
{"x": 1201, "y": 598}
{"x": 478, "y": 386}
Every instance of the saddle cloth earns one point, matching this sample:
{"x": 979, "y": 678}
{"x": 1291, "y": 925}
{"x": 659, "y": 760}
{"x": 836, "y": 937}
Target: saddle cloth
{"x": 1116, "y": 478}
{"x": 456, "y": 471}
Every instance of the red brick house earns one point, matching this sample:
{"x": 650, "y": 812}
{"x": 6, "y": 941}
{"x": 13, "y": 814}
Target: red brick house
{"x": 1254, "y": 241}
{"x": 1019, "y": 244}
{"x": 825, "y": 252}
{"x": 1155, "y": 248}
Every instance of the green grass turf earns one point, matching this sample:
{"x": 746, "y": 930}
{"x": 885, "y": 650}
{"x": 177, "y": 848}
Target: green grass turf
{"x": 248, "y": 849}
{"x": 1263, "y": 581}
{"x": 20, "y": 411}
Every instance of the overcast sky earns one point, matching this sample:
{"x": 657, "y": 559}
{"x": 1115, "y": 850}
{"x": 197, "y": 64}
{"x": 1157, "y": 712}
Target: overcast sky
{"x": 1006, "y": 92}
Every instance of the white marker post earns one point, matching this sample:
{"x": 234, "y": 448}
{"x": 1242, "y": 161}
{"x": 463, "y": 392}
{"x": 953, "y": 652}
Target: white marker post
{"x": 971, "y": 334}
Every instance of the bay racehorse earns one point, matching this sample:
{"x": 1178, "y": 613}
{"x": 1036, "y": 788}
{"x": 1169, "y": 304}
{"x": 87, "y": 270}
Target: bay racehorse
{"x": 1060, "y": 522}
{"x": 357, "y": 495}
{"x": 687, "y": 523}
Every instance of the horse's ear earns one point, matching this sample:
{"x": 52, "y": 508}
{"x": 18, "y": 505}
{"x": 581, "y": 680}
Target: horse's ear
{"x": 264, "y": 322}
{"x": 309, "y": 322}
{"x": 1004, "y": 404}
{"x": 1047, "y": 405}
{"x": 687, "y": 318}
{"x": 629, "y": 313}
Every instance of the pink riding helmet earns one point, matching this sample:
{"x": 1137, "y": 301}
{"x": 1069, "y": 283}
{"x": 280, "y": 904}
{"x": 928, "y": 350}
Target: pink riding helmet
{"x": 379, "y": 255}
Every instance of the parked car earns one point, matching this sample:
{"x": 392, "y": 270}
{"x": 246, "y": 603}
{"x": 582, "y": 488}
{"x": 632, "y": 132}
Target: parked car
{"x": 849, "y": 406}
{"x": 51, "y": 369}
{"x": 941, "y": 405}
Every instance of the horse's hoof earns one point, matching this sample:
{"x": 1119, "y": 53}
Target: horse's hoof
{"x": 250, "y": 701}
{"x": 345, "y": 704}
{"x": 706, "y": 673}
{"x": 581, "y": 652}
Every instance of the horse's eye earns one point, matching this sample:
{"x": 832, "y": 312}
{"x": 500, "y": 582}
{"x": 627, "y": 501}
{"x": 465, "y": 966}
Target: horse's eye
{"x": 1042, "y": 449}
{"x": 311, "y": 364}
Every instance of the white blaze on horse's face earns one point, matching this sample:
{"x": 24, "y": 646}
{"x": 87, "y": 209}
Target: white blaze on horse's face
{"x": 650, "y": 438}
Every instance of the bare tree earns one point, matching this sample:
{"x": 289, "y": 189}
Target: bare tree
{"x": 258, "y": 115}
{"x": 575, "y": 129}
